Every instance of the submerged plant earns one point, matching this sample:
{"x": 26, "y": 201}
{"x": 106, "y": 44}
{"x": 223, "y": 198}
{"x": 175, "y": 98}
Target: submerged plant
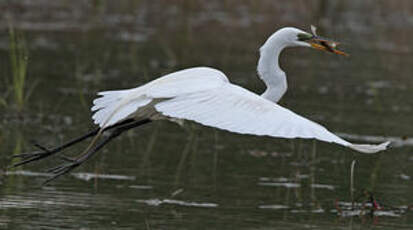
{"x": 18, "y": 60}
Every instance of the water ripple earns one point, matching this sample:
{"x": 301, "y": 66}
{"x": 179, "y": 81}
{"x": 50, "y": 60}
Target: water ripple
{"x": 157, "y": 202}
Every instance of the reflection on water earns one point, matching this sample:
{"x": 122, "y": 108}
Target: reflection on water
{"x": 348, "y": 209}
{"x": 395, "y": 141}
{"x": 90, "y": 176}
{"x": 81, "y": 175}
{"x": 157, "y": 202}
{"x": 166, "y": 177}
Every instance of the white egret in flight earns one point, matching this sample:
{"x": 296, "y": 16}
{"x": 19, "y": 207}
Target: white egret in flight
{"x": 206, "y": 96}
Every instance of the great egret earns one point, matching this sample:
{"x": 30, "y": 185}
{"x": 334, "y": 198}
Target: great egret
{"x": 205, "y": 95}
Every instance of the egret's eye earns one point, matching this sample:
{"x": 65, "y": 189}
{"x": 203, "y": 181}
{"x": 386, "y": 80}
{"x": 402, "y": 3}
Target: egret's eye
{"x": 304, "y": 36}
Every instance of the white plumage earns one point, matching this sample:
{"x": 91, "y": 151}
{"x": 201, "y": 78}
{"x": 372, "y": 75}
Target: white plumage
{"x": 206, "y": 96}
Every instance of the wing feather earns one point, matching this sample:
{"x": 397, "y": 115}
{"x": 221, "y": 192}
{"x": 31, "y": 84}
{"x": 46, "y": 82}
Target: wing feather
{"x": 117, "y": 105}
{"x": 236, "y": 109}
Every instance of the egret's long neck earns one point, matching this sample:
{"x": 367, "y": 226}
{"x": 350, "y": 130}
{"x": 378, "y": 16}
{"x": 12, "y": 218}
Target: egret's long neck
{"x": 269, "y": 70}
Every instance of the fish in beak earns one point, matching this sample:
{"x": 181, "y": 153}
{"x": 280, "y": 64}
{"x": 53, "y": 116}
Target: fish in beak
{"x": 326, "y": 45}
{"x": 321, "y": 43}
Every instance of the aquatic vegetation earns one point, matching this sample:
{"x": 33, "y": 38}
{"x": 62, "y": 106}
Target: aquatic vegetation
{"x": 3, "y": 102}
{"x": 19, "y": 60}
{"x": 353, "y": 164}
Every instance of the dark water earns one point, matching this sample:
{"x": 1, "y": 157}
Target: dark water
{"x": 162, "y": 176}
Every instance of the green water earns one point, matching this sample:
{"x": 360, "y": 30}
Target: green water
{"x": 162, "y": 176}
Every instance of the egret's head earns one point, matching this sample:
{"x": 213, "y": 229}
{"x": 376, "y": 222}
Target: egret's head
{"x": 295, "y": 37}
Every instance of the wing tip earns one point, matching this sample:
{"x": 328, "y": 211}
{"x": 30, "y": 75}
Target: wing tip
{"x": 370, "y": 149}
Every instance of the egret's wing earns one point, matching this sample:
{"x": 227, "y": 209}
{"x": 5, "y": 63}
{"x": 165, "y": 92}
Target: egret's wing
{"x": 115, "y": 106}
{"x": 185, "y": 81}
{"x": 236, "y": 109}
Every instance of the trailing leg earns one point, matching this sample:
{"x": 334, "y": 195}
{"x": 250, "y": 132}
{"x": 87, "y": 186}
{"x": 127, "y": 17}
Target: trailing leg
{"x": 45, "y": 152}
{"x": 74, "y": 163}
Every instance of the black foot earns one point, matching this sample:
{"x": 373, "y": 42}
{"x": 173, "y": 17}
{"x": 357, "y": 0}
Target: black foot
{"x": 33, "y": 156}
{"x": 62, "y": 169}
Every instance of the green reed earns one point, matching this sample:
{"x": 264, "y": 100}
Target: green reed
{"x": 19, "y": 60}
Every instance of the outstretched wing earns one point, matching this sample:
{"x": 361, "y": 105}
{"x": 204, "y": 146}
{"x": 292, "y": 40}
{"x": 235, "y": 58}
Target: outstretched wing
{"x": 117, "y": 105}
{"x": 236, "y": 109}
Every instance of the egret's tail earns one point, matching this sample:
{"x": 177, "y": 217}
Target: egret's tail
{"x": 117, "y": 105}
{"x": 365, "y": 148}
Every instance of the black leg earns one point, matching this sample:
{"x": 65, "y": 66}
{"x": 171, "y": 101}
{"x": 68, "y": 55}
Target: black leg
{"x": 45, "y": 152}
{"x": 65, "y": 168}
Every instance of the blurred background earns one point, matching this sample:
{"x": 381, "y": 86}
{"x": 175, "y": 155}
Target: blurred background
{"x": 56, "y": 55}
